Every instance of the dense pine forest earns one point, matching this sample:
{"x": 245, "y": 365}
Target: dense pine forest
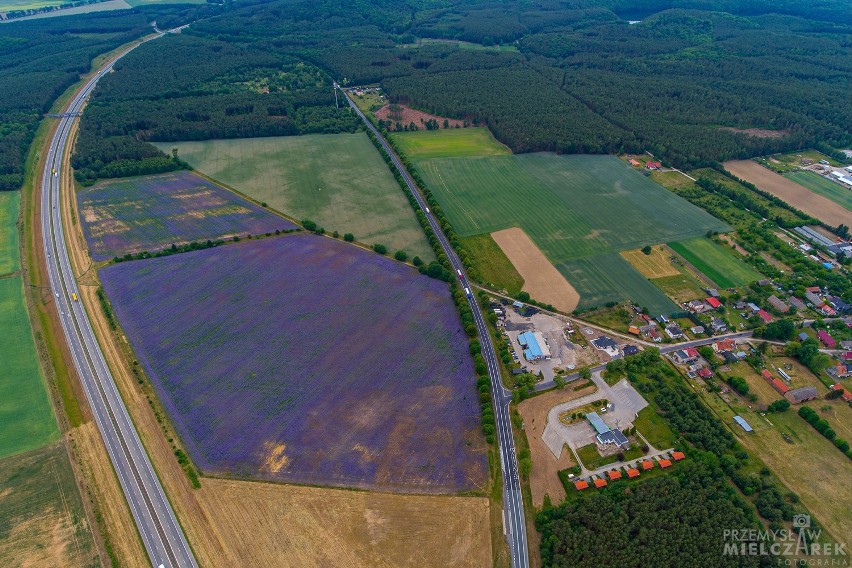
{"x": 695, "y": 83}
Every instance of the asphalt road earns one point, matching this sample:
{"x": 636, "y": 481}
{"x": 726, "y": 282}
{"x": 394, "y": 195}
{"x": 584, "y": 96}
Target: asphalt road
{"x": 513, "y": 505}
{"x": 161, "y": 534}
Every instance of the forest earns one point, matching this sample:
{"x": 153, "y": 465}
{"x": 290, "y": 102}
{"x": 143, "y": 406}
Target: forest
{"x": 694, "y": 83}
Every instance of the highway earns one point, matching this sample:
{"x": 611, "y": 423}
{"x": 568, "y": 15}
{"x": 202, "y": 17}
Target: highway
{"x": 513, "y": 505}
{"x": 161, "y": 534}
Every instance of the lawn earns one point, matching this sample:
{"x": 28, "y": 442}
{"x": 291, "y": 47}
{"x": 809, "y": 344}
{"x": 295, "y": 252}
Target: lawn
{"x": 305, "y": 359}
{"x": 573, "y": 208}
{"x": 592, "y": 459}
{"x": 9, "y": 201}
{"x": 448, "y": 143}
{"x": 652, "y": 426}
{"x": 715, "y": 262}
{"x": 42, "y": 521}
{"x": 25, "y": 411}
{"x": 680, "y": 288}
{"x": 153, "y": 212}
{"x": 337, "y": 180}
{"x": 827, "y": 188}
{"x": 492, "y": 266}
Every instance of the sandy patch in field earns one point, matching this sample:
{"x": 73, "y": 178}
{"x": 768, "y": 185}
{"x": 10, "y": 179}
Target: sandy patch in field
{"x": 541, "y": 279}
{"x": 408, "y": 115}
{"x": 655, "y": 265}
{"x": 544, "y": 478}
{"x": 799, "y": 197}
{"x": 758, "y": 132}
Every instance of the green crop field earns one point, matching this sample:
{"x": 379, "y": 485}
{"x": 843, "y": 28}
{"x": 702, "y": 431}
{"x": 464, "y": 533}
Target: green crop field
{"x": 42, "y": 520}
{"x": 25, "y": 411}
{"x": 10, "y": 5}
{"x": 337, "y": 180}
{"x": 715, "y": 262}
{"x": 579, "y": 210}
{"x": 492, "y": 266}
{"x": 448, "y": 143}
{"x": 9, "y": 201}
{"x": 824, "y": 187}
{"x": 609, "y": 278}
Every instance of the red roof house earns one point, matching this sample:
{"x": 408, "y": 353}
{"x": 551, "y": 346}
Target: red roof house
{"x": 664, "y": 463}
{"x": 847, "y": 356}
{"x": 691, "y": 352}
{"x": 600, "y": 482}
{"x": 847, "y": 396}
{"x": 631, "y": 473}
{"x": 764, "y": 315}
{"x": 766, "y": 375}
{"x": 633, "y": 162}
{"x": 705, "y": 373}
{"x": 713, "y": 302}
{"x": 614, "y": 474}
{"x": 653, "y": 165}
{"x": 724, "y": 345}
{"x": 779, "y": 386}
{"x": 647, "y": 464}
{"x": 677, "y": 456}
{"x": 813, "y": 289}
{"x": 581, "y": 484}
{"x": 827, "y": 340}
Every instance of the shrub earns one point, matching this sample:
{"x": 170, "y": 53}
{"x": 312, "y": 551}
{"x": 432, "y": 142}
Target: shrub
{"x": 348, "y": 237}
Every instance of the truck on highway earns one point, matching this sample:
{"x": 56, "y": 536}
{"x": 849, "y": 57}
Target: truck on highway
{"x": 74, "y": 296}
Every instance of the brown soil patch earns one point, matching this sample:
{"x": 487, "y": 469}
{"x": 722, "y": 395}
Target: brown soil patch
{"x": 799, "y": 197}
{"x": 731, "y": 242}
{"x": 544, "y": 478}
{"x": 541, "y": 279}
{"x": 773, "y": 261}
{"x": 758, "y": 132}
{"x": 408, "y": 115}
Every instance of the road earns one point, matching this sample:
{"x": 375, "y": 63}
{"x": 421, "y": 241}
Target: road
{"x": 161, "y": 534}
{"x": 513, "y": 505}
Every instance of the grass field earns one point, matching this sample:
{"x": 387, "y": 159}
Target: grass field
{"x": 450, "y": 143}
{"x": 25, "y": 410}
{"x": 680, "y": 288}
{"x": 824, "y": 187}
{"x": 715, "y": 262}
{"x": 42, "y": 522}
{"x": 337, "y": 180}
{"x": 9, "y": 5}
{"x": 491, "y": 264}
{"x": 9, "y": 203}
{"x": 608, "y": 277}
{"x": 87, "y": 9}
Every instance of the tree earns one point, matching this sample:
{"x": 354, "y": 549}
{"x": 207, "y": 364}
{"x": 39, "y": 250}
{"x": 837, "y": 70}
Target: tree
{"x": 646, "y": 249}
{"x": 417, "y": 261}
{"x": 381, "y": 249}
{"x": 585, "y": 373}
{"x": 309, "y": 225}
{"x": 348, "y": 237}
{"x": 779, "y": 405}
{"x": 400, "y": 255}
{"x": 780, "y": 330}
{"x": 523, "y": 296}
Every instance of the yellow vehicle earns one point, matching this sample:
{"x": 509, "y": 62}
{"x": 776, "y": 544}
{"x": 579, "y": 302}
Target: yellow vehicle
{"x": 74, "y": 296}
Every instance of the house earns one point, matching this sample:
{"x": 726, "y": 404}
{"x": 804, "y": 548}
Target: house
{"x": 605, "y": 435}
{"x": 826, "y": 339}
{"x": 740, "y": 305}
{"x": 632, "y": 472}
{"x": 796, "y": 303}
{"x": 664, "y": 463}
{"x": 697, "y": 306}
{"x": 713, "y": 292}
{"x": 846, "y": 356}
{"x": 634, "y": 163}
{"x": 846, "y": 396}
{"x": 718, "y": 325}
{"x": 697, "y": 329}
{"x": 753, "y": 307}
{"x": 838, "y": 304}
{"x": 685, "y": 356}
{"x": 800, "y": 395}
{"x": 655, "y": 336}
{"x": 839, "y": 371}
{"x": 534, "y": 346}
{"x": 764, "y": 282}
{"x": 614, "y": 474}
{"x": 630, "y": 350}
{"x": 677, "y": 456}
{"x": 723, "y": 345}
{"x": 813, "y": 299}
{"x": 662, "y": 318}
{"x": 764, "y": 315}
{"x": 813, "y": 289}
{"x": 607, "y": 344}
{"x": 846, "y": 344}
{"x": 600, "y": 483}
{"x": 745, "y": 425}
{"x": 646, "y": 329}
{"x": 713, "y": 302}
{"x": 634, "y": 330}
{"x": 518, "y": 371}
{"x": 705, "y": 373}
{"x": 827, "y": 310}
{"x": 581, "y": 484}
{"x": 803, "y": 336}
{"x": 779, "y": 305}
{"x": 674, "y": 331}
{"x": 647, "y": 464}
{"x": 653, "y": 165}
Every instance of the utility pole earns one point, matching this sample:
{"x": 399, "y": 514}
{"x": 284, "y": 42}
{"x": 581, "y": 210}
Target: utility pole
{"x": 336, "y": 105}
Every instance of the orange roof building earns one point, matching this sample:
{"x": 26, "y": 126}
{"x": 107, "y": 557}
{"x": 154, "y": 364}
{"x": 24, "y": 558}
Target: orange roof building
{"x": 766, "y": 375}
{"x": 634, "y": 330}
{"x": 664, "y": 463}
{"x": 614, "y": 474}
{"x": 647, "y": 464}
{"x": 631, "y": 473}
{"x": 600, "y": 482}
{"x": 581, "y": 484}
{"x": 677, "y": 456}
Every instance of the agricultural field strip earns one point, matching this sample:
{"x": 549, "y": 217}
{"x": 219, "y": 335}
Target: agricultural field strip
{"x": 824, "y": 187}
{"x": 514, "y": 523}
{"x": 715, "y": 262}
{"x": 160, "y": 532}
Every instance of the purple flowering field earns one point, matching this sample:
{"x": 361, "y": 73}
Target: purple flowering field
{"x": 307, "y": 360}
{"x": 153, "y": 212}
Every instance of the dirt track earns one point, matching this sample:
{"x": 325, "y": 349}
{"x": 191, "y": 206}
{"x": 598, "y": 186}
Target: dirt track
{"x": 541, "y": 279}
{"x": 799, "y": 197}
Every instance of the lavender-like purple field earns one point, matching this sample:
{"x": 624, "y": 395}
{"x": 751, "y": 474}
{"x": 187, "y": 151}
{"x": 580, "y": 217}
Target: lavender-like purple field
{"x": 153, "y": 212}
{"x": 307, "y": 360}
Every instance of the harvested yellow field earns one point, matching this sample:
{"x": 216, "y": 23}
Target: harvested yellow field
{"x": 541, "y": 279}
{"x": 655, "y": 265}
